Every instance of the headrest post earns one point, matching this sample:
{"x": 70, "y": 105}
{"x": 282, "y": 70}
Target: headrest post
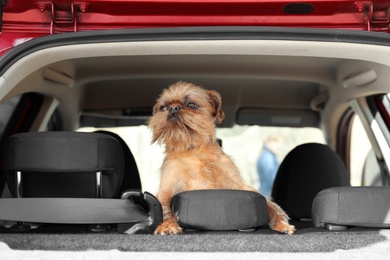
{"x": 18, "y": 184}
{"x": 99, "y": 190}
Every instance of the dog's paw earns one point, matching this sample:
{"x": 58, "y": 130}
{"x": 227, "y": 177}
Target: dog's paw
{"x": 168, "y": 227}
{"x": 283, "y": 227}
{"x": 278, "y": 219}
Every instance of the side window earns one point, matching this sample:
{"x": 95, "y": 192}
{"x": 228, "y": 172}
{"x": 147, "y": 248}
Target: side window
{"x": 6, "y": 110}
{"x": 380, "y": 107}
{"x": 369, "y": 162}
{"x": 364, "y": 168}
{"x": 55, "y": 122}
{"x": 18, "y": 113}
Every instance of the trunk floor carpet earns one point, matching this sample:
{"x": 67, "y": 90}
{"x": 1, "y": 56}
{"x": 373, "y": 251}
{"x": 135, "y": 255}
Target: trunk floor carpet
{"x": 308, "y": 240}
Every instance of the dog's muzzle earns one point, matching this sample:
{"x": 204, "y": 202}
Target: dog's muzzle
{"x": 173, "y": 112}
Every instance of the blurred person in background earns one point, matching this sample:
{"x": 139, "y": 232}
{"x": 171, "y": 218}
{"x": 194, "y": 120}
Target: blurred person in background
{"x": 268, "y": 163}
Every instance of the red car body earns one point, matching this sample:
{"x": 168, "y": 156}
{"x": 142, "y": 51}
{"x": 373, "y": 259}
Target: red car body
{"x": 28, "y": 19}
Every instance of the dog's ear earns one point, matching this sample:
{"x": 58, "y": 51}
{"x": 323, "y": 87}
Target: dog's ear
{"x": 216, "y": 102}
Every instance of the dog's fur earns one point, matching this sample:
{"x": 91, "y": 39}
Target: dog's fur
{"x": 183, "y": 120}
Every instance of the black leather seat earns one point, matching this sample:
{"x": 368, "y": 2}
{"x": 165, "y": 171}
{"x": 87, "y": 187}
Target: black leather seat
{"x": 305, "y": 171}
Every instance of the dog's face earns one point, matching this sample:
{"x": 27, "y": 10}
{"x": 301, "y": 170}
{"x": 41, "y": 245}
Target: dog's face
{"x": 184, "y": 117}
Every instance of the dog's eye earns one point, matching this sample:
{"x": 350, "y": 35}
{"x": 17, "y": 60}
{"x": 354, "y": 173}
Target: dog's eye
{"x": 163, "y": 108}
{"x": 192, "y": 105}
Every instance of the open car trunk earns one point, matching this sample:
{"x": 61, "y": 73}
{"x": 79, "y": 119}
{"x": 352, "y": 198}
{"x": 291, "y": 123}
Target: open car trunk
{"x": 128, "y": 69}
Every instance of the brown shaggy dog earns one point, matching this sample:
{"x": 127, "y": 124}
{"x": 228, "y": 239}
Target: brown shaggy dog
{"x": 184, "y": 120}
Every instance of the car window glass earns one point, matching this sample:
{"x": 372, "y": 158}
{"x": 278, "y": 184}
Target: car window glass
{"x": 245, "y": 144}
{"x": 55, "y": 122}
{"x": 364, "y": 168}
{"x": 6, "y": 110}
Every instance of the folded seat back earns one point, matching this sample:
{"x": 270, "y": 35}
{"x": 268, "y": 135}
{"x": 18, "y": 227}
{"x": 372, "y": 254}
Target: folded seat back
{"x": 220, "y": 210}
{"x": 60, "y": 177}
{"x": 342, "y": 207}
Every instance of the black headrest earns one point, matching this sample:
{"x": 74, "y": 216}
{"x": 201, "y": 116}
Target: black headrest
{"x": 305, "y": 171}
{"x": 131, "y": 178}
{"x": 63, "y": 164}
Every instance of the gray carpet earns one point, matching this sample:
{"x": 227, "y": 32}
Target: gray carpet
{"x": 308, "y": 241}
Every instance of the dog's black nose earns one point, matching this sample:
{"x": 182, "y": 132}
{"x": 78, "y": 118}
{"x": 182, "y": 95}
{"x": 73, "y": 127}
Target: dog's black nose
{"x": 173, "y": 112}
{"x": 174, "y": 109}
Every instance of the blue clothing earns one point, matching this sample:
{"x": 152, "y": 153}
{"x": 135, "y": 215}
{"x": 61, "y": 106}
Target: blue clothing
{"x": 267, "y": 166}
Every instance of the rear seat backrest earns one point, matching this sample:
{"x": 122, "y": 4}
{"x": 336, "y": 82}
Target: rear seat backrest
{"x": 305, "y": 171}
